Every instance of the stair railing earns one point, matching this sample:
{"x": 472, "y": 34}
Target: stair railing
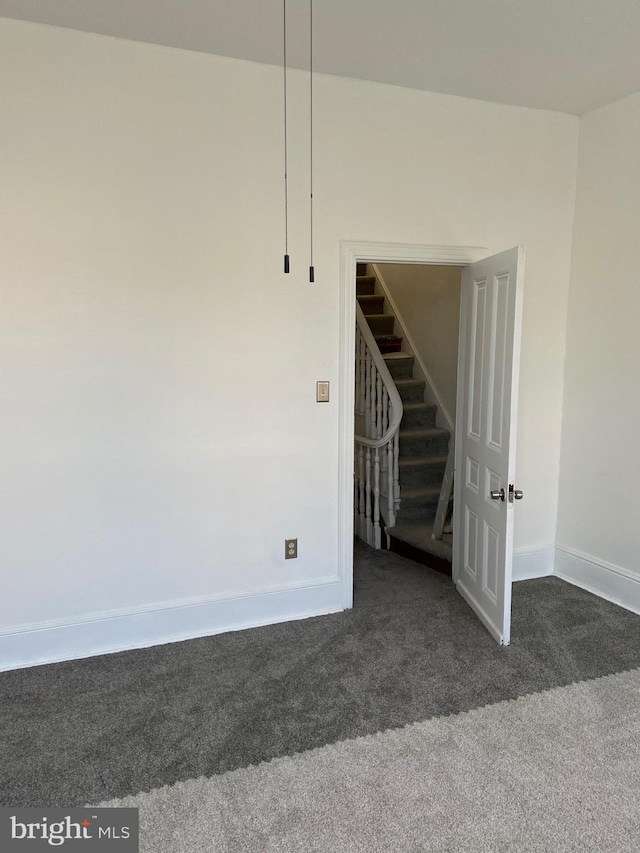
{"x": 378, "y": 412}
{"x": 446, "y": 490}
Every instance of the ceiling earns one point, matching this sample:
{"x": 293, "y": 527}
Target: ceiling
{"x": 565, "y": 55}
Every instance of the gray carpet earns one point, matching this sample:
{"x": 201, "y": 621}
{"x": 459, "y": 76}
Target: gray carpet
{"x": 113, "y": 726}
{"x": 557, "y": 771}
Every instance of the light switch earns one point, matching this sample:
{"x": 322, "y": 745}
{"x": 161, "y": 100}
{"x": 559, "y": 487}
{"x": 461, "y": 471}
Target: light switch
{"x": 322, "y": 392}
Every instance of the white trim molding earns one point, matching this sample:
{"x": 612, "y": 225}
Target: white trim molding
{"x": 363, "y": 251}
{"x": 353, "y": 252}
{"x": 532, "y": 563}
{"x": 600, "y": 577}
{"x": 166, "y": 622}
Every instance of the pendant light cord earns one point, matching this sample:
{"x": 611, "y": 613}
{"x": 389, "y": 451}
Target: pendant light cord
{"x": 286, "y": 150}
{"x": 311, "y": 270}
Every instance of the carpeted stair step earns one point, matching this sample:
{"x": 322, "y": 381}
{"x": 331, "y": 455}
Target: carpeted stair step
{"x": 400, "y": 365}
{"x": 427, "y": 441}
{"x": 411, "y": 390}
{"x": 418, "y": 504}
{"x": 381, "y": 324}
{"x": 419, "y": 536}
{"x": 365, "y": 285}
{"x": 371, "y": 304}
{"x": 418, "y": 416}
{"x": 421, "y": 471}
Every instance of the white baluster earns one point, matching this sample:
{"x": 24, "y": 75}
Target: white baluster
{"x": 372, "y": 398}
{"x": 361, "y": 504}
{"x": 376, "y": 499}
{"x": 357, "y": 420}
{"x": 385, "y": 410}
{"x": 391, "y": 518}
{"x": 386, "y": 418}
{"x": 358, "y": 368}
{"x": 357, "y": 502}
{"x": 396, "y": 471}
{"x": 357, "y": 371}
{"x": 379, "y": 428}
{"x": 367, "y": 394}
{"x": 374, "y": 406}
{"x": 445, "y": 494}
{"x": 367, "y": 496}
{"x": 363, "y": 378}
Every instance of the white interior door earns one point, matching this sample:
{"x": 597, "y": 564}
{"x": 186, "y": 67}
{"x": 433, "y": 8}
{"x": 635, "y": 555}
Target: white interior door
{"x": 488, "y": 369}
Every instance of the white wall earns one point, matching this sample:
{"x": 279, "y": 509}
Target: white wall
{"x": 159, "y": 429}
{"x": 428, "y": 300}
{"x": 599, "y": 514}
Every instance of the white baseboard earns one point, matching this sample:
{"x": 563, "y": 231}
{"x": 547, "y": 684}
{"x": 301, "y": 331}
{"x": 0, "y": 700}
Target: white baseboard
{"x": 537, "y": 563}
{"x": 605, "y": 579}
{"x": 169, "y": 622}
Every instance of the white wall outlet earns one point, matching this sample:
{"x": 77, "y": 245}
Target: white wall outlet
{"x": 290, "y": 549}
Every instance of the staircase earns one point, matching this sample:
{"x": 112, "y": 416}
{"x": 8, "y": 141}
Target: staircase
{"x": 423, "y": 446}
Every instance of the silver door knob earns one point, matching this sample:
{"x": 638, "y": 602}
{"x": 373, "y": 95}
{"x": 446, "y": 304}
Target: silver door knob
{"x": 497, "y": 496}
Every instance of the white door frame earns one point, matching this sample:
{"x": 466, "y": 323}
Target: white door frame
{"x": 352, "y": 253}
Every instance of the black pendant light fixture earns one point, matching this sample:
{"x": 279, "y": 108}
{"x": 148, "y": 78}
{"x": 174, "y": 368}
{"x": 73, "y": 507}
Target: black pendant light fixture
{"x": 311, "y": 270}
{"x": 286, "y": 150}
{"x": 286, "y": 141}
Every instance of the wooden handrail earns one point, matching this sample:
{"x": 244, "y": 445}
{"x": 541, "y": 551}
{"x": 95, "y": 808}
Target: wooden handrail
{"x": 389, "y": 384}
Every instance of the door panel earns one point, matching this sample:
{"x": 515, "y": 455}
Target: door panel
{"x": 488, "y": 368}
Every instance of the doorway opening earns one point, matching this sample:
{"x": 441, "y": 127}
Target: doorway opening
{"x": 486, "y": 415}
{"x": 413, "y": 313}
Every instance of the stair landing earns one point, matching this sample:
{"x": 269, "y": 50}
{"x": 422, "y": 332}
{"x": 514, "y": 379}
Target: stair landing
{"x": 414, "y": 542}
